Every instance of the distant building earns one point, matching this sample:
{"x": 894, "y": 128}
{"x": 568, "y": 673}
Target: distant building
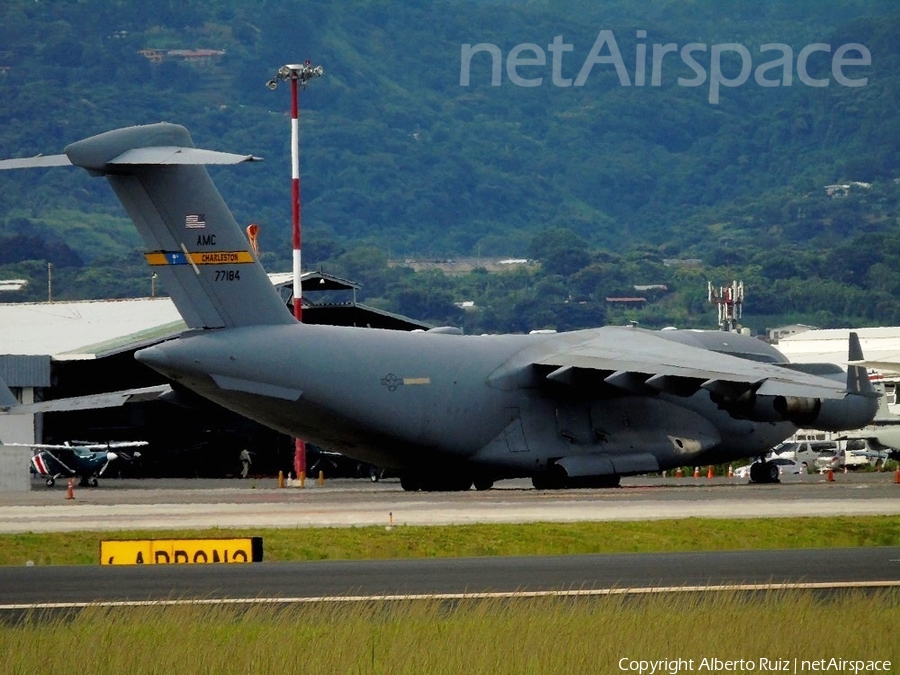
{"x": 776, "y": 334}
{"x": 682, "y": 262}
{"x": 627, "y": 301}
{"x": 843, "y": 189}
{"x": 187, "y": 55}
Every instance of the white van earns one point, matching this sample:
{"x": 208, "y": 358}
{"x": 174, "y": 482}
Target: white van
{"x": 814, "y": 455}
{"x": 821, "y": 455}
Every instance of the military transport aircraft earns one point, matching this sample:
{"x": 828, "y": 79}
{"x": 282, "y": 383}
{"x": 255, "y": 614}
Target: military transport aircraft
{"x": 446, "y": 410}
{"x": 84, "y": 460}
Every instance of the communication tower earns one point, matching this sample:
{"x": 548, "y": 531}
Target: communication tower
{"x": 729, "y": 301}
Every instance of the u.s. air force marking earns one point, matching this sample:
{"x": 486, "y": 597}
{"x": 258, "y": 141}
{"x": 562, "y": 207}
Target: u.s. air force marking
{"x": 391, "y": 381}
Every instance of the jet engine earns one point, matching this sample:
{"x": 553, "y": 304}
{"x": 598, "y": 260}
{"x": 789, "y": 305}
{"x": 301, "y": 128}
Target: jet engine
{"x": 851, "y": 412}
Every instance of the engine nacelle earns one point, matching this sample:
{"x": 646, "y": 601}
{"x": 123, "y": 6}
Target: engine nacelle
{"x": 851, "y": 412}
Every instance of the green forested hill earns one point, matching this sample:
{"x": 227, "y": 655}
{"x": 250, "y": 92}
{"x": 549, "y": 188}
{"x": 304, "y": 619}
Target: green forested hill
{"x": 600, "y": 182}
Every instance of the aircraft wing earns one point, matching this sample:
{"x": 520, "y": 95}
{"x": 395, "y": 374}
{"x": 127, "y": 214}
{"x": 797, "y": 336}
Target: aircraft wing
{"x": 888, "y": 364}
{"x": 111, "y": 399}
{"x": 641, "y": 361}
{"x": 89, "y": 447}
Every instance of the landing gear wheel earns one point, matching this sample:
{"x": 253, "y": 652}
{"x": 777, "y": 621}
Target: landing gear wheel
{"x": 764, "y": 472}
{"x": 450, "y": 483}
{"x": 484, "y": 483}
{"x": 410, "y": 483}
{"x": 611, "y": 481}
{"x": 554, "y": 478}
{"x": 93, "y": 482}
{"x": 50, "y": 482}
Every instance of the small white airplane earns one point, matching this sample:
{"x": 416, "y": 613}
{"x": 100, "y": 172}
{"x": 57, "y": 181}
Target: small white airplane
{"x": 84, "y": 460}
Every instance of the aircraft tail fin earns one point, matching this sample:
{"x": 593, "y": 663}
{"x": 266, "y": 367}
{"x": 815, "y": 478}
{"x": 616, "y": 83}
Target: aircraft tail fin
{"x": 193, "y": 242}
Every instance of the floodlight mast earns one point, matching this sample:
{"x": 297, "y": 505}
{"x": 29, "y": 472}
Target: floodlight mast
{"x": 299, "y": 75}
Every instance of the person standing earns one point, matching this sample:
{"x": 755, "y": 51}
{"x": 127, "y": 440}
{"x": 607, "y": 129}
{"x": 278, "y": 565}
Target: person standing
{"x": 245, "y": 463}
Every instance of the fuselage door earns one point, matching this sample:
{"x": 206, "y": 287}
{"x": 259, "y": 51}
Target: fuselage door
{"x": 514, "y": 433}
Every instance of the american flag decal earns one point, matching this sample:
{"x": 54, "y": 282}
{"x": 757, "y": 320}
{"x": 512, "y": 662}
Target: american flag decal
{"x": 195, "y": 221}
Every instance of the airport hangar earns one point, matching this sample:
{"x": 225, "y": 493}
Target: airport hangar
{"x": 58, "y": 350}
{"x": 815, "y": 345}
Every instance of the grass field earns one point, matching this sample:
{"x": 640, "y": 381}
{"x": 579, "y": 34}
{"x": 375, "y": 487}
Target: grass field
{"x": 357, "y": 543}
{"x": 676, "y": 633}
{"x": 538, "y": 635}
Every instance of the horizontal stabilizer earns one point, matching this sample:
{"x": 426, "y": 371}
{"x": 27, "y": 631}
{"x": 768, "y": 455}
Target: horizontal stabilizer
{"x": 193, "y": 243}
{"x": 169, "y": 155}
{"x": 38, "y": 162}
{"x": 172, "y": 155}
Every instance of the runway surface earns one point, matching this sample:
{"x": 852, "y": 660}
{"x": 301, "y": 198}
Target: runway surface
{"x": 449, "y": 578}
{"x": 259, "y": 503}
{"x": 198, "y": 503}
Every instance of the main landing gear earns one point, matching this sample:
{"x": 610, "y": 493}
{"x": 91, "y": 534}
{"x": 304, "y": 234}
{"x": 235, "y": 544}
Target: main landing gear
{"x": 764, "y": 472}
{"x": 445, "y": 482}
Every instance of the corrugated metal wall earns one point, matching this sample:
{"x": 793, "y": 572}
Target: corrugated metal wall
{"x": 25, "y": 370}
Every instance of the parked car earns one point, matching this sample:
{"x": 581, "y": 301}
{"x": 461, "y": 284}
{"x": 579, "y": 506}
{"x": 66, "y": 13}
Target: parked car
{"x": 786, "y": 467}
{"x": 742, "y": 471}
{"x": 789, "y": 467}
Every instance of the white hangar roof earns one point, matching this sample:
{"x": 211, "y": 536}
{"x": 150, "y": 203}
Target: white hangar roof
{"x": 91, "y": 329}
{"x": 86, "y": 329}
{"x": 830, "y": 345}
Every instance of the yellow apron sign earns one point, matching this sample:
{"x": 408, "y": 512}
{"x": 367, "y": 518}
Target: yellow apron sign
{"x": 180, "y": 551}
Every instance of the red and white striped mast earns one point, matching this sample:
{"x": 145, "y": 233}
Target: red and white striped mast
{"x": 299, "y": 75}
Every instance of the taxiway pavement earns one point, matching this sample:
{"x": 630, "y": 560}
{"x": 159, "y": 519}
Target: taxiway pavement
{"x": 257, "y": 502}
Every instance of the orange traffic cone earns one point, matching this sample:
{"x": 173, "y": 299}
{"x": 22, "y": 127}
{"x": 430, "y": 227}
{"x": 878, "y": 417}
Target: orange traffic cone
{"x": 680, "y": 474}
{"x": 70, "y": 491}
{"x": 897, "y": 476}
{"x": 696, "y": 472}
{"x": 730, "y": 471}
{"x": 830, "y": 476}
{"x": 709, "y": 472}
